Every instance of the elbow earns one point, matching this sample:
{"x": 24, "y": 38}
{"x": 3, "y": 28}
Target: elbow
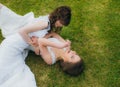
{"x": 47, "y": 59}
{"x": 49, "y": 62}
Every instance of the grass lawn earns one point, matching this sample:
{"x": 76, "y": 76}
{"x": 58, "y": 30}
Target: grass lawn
{"x": 95, "y": 34}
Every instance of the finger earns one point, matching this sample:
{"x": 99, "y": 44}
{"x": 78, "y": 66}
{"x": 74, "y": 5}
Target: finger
{"x": 67, "y": 50}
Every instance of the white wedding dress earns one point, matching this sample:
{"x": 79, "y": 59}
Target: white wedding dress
{"x": 10, "y": 22}
{"x": 13, "y": 70}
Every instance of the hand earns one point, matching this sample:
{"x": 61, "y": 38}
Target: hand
{"x": 34, "y": 41}
{"x": 67, "y": 43}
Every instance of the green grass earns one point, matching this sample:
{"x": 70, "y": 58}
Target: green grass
{"x": 95, "y": 34}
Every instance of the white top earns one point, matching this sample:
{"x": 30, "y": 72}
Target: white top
{"x": 13, "y": 70}
{"x": 10, "y": 22}
{"x": 41, "y": 33}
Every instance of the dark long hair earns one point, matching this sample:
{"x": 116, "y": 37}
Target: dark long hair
{"x": 62, "y": 13}
{"x": 73, "y": 69}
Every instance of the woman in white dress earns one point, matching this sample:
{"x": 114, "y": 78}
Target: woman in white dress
{"x": 64, "y": 18}
{"x": 70, "y": 61}
{"x": 10, "y": 23}
{"x": 13, "y": 70}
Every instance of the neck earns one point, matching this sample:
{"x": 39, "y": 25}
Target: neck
{"x": 61, "y": 55}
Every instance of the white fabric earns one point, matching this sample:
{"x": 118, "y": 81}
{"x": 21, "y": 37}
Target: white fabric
{"x": 16, "y": 21}
{"x": 10, "y": 23}
{"x": 51, "y": 51}
{"x": 13, "y": 70}
{"x": 52, "y": 55}
{"x": 43, "y": 32}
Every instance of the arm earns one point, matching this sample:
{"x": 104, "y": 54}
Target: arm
{"x": 55, "y": 35}
{"x": 47, "y": 42}
{"x": 45, "y": 54}
{"x": 35, "y": 45}
{"x": 61, "y": 39}
{"x": 41, "y": 49}
{"x": 32, "y": 28}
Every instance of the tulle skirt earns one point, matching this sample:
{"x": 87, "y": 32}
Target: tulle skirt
{"x": 13, "y": 70}
{"x": 10, "y": 22}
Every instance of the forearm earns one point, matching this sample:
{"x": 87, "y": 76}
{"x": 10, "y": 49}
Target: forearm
{"x": 55, "y": 35}
{"x": 60, "y": 38}
{"x": 47, "y": 42}
{"x": 37, "y": 26}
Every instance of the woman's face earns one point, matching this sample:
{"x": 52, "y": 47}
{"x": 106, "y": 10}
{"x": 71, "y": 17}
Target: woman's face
{"x": 71, "y": 56}
{"x": 58, "y": 24}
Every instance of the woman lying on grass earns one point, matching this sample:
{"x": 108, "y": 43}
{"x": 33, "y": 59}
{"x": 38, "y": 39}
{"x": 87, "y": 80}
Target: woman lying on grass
{"x": 9, "y": 27}
{"x": 51, "y": 50}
